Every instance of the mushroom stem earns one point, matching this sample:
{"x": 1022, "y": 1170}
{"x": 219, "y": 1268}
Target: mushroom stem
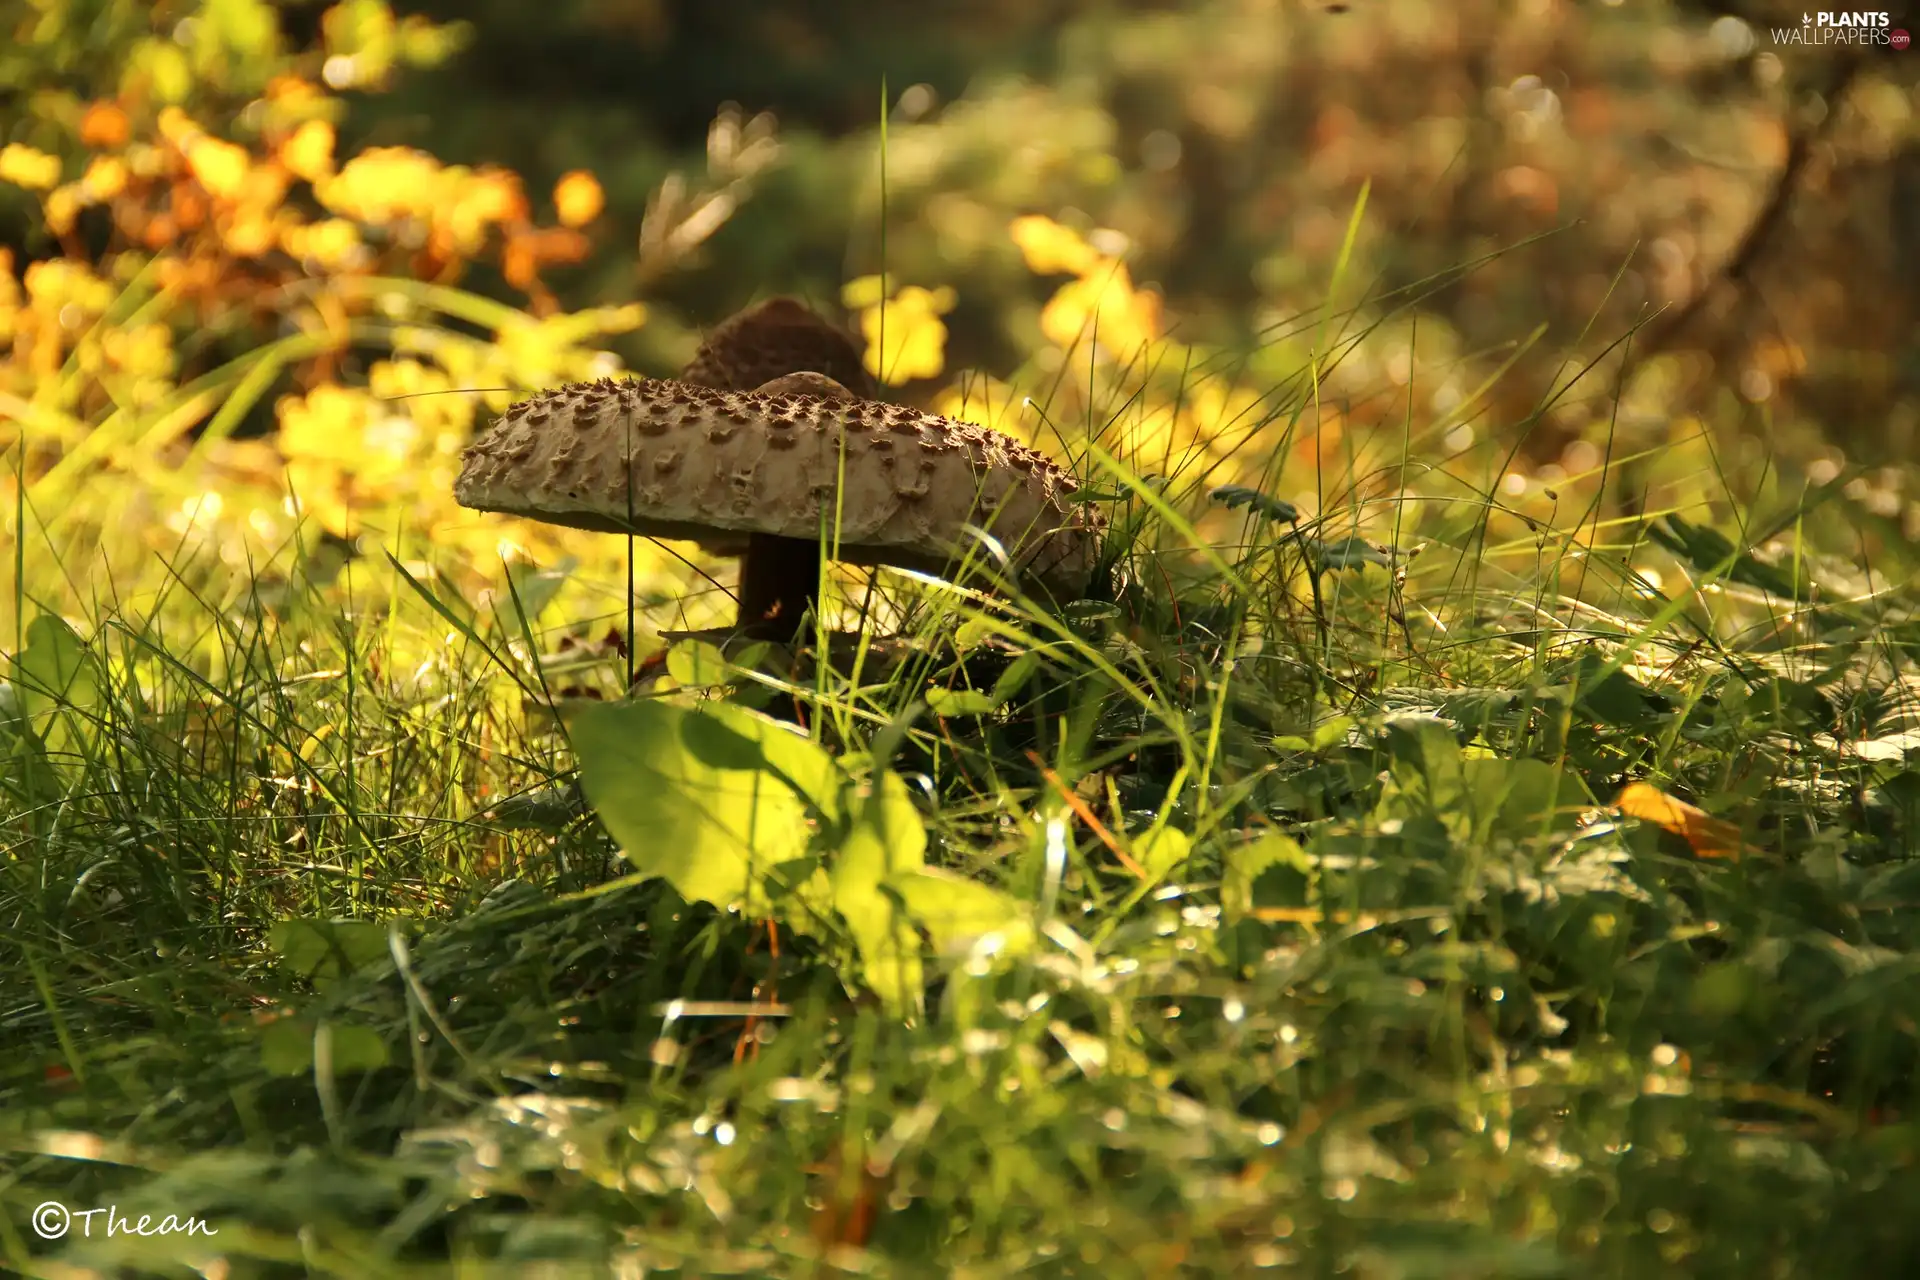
{"x": 779, "y": 584}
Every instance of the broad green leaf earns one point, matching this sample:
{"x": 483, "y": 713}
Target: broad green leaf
{"x": 1529, "y": 796}
{"x": 534, "y": 587}
{"x": 711, "y": 798}
{"x": 1722, "y": 990}
{"x": 1235, "y": 495}
{"x": 959, "y": 702}
{"x": 287, "y": 1047}
{"x": 695, "y": 664}
{"x": 1426, "y": 764}
{"x": 886, "y": 839}
{"x": 957, "y": 912}
{"x": 719, "y": 745}
{"x": 1796, "y": 704}
{"x": 1710, "y": 552}
{"x": 28, "y": 773}
{"x": 1331, "y": 733}
{"x": 1082, "y": 613}
{"x": 324, "y": 951}
{"x": 1246, "y": 864}
{"x": 1615, "y": 697}
{"x": 973, "y": 633}
{"x": 1349, "y": 553}
{"x": 1161, "y": 850}
{"x": 1475, "y": 709}
{"x": 57, "y": 682}
{"x": 1015, "y": 677}
{"x": 354, "y": 1047}
{"x": 549, "y": 809}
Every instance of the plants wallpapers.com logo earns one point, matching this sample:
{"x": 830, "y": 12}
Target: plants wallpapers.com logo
{"x": 1881, "y": 20}
{"x": 1844, "y": 27}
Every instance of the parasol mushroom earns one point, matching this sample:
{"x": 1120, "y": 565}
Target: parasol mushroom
{"x": 772, "y": 475}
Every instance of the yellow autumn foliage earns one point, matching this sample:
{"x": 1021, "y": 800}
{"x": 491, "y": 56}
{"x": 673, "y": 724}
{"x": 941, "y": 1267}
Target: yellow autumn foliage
{"x": 382, "y": 185}
{"x": 25, "y": 167}
{"x": 308, "y": 151}
{"x": 346, "y": 264}
{"x": 106, "y": 178}
{"x": 905, "y": 336}
{"x": 578, "y": 199}
{"x": 1103, "y": 307}
{"x": 229, "y": 232}
{"x": 1052, "y": 249}
{"x": 221, "y": 167}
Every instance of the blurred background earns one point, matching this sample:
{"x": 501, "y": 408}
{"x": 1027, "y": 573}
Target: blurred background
{"x": 1570, "y": 233}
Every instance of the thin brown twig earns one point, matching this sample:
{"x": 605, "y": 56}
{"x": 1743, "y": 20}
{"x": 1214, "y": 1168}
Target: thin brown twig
{"x": 1664, "y": 333}
{"x": 1085, "y": 813}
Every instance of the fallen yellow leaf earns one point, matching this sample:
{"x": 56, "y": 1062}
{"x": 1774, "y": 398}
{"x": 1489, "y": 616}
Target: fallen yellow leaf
{"x": 1708, "y": 836}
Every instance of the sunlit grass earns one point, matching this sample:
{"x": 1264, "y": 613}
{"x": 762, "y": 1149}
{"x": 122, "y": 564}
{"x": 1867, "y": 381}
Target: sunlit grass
{"x": 1407, "y": 861}
{"x": 1337, "y": 953}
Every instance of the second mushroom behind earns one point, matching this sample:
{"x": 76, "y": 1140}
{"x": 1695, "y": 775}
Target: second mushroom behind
{"x": 771, "y": 339}
{"x": 799, "y": 460}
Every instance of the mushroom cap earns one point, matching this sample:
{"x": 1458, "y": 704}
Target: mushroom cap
{"x": 776, "y": 337}
{"x": 716, "y": 467}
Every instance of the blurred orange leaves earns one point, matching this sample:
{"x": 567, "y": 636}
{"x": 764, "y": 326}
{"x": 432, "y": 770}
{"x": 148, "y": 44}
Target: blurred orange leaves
{"x": 105, "y": 127}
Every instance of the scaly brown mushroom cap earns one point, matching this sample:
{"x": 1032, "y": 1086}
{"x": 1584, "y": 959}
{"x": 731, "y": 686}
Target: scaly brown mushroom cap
{"x": 775, "y": 338}
{"x": 717, "y": 467}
